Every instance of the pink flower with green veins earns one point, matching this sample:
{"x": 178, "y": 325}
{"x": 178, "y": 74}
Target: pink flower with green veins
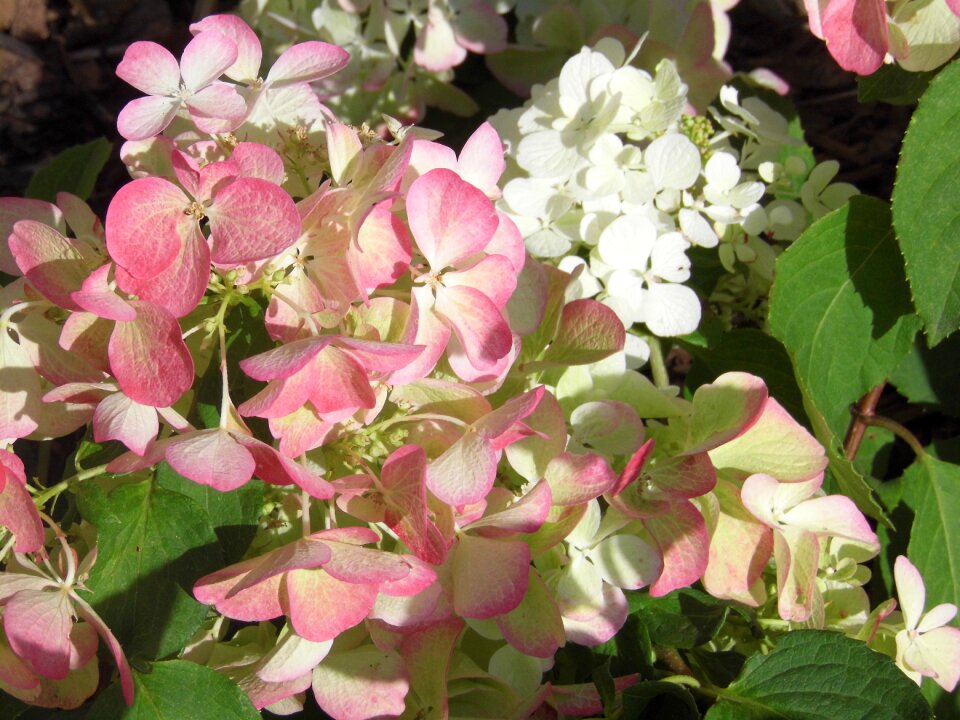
{"x": 927, "y": 646}
{"x": 192, "y": 84}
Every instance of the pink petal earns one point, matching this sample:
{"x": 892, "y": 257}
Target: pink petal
{"x": 18, "y": 513}
{"x": 683, "y": 541}
{"x": 436, "y": 48}
{"x": 306, "y": 62}
{"x": 575, "y": 479}
{"x": 940, "y": 653}
{"x": 797, "y": 554}
{"x": 126, "y": 676}
{"x": 96, "y": 297}
{"x": 355, "y": 564}
{"x": 285, "y": 360}
{"x": 428, "y": 155}
{"x": 478, "y": 324}
{"x": 857, "y": 34}
{"x": 274, "y": 468}
{"x": 321, "y": 607}
{"x": 240, "y": 236}
{"x": 180, "y": 285}
{"x": 303, "y": 554}
{"x": 740, "y": 547}
{"x": 489, "y": 576}
{"x": 205, "y": 58}
{"x": 150, "y": 68}
{"x": 493, "y": 275}
{"x": 12, "y": 210}
{"x": 258, "y": 161}
{"x": 954, "y": 6}
{"x": 246, "y": 68}
{"x": 403, "y": 478}
{"x": 450, "y": 219}
{"x": 119, "y": 418}
{"x": 480, "y": 29}
{"x": 211, "y": 457}
{"x": 361, "y": 684}
{"x": 910, "y": 590}
{"x": 535, "y": 626}
{"x": 149, "y": 202}
{"x": 524, "y": 516}
{"x": 378, "y": 356}
{"x": 382, "y": 252}
{"x": 280, "y": 398}
{"x": 834, "y": 515}
{"x": 38, "y": 624}
{"x": 148, "y": 357}
{"x": 342, "y": 383}
{"x": 217, "y": 108}
{"x": 431, "y": 332}
{"x": 53, "y": 264}
{"x": 464, "y": 473}
{"x": 259, "y": 602}
{"x": 602, "y": 627}
{"x": 145, "y": 117}
{"x": 481, "y": 161}
{"x": 508, "y": 242}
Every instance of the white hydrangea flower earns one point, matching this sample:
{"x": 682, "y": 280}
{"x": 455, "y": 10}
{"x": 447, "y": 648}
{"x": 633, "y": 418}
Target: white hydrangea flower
{"x": 642, "y": 272}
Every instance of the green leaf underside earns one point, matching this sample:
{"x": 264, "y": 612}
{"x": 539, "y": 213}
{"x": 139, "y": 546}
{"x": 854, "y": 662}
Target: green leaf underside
{"x": 926, "y": 206}
{"x": 153, "y": 545}
{"x": 932, "y": 490}
{"x": 75, "y": 170}
{"x": 177, "y": 690}
{"x": 814, "y": 674}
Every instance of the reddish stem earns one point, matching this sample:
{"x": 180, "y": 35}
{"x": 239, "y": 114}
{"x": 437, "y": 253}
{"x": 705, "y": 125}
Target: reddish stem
{"x": 865, "y": 409}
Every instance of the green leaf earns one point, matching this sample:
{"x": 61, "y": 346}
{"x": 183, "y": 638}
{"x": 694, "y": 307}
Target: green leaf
{"x": 892, "y": 84}
{"x": 233, "y": 515}
{"x": 841, "y": 307}
{"x": 75, "y": 170}
{"x": 659, "y": 699}
{"x": 931, "y": 376}
{"x": 683, "y": 619}
{"x": 176, "y": 690}
{"x": 926, "y": 206}
{"x": 752, "y": 351}
{"x": 814, "y": 674}
{"x": 153, "y": 545}
{"x": 932, "y": 490}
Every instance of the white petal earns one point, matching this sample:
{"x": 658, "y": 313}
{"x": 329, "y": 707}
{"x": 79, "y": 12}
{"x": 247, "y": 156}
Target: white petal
{"x": 722, "y": 171}
{"x": 670, "y": 309}
{"x": 696, "y": 229}
{"x": 673, "y": 161}
{"x": 627, "y": 242}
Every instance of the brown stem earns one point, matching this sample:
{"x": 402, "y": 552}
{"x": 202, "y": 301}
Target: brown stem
{"x": 865, "y": 409}
{"x": 672, "y": 659}
{"x": 897, "y": 429}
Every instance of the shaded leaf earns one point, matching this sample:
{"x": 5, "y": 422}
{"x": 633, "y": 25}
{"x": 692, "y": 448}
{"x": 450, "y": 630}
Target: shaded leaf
{"x": 931, "y": 376}
{"x": 892, "y": 84}
{"x": 177, "y": 690}
{"x": 75, "y": 170}
{"x": 683, "y": 619}
{"x": 153, "y": 545}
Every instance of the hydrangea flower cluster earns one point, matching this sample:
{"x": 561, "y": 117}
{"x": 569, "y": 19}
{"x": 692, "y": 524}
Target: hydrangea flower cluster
{"x": 390, "y": 75}
{"x": 466, "y": 473}
{"x": 607, "y": 175}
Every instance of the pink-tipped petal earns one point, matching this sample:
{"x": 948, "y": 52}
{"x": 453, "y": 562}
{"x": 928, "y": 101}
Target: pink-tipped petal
{"x": 17, "y": 510}
{"x": 575, "y": 479}
{"x": 797, "y": 554}
{"x": 524, "y": 516}
{"x": 725, "y": 409}
{"x": 211, "y": 457}
{"x": 153, "y": 203}
{"x": 535, "y": 626}
{"x": 53, "y": 264}
{"x": 481, "y": 161}
{"x": 493, "y": 275}
{"x": 478, "y": 324}
{"x": 148, "y": 357}
{"x": 205, "y": 58}
{"x": 145, "y": 117}
{"x": 321, "y": 607}
{"x": 489, "y": 576}
{"x": 306, "y": 62}
{"x": 285, "y": 360}
{"x": 126, "y": 676}
{"x": 910, "y": 590}
{"x": 37, "y": 623}
{"x": 150, "y": 68}
{"x": 603, "y": 626}
{"x": 361, "y": 684}
{"x": 834, "y": 515}
{"x": 682, "y": 537}
{"x": 218, "y": 107}
{"x": 464, "y": 473}
{"x": 259, "y": 161}
{"x": 240, "y": 236}
{"x": 246, "y": 68}
{"x": 119, "y": 418}
{"x": 450, "y": 219}
{"x": 97, "y": 297}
